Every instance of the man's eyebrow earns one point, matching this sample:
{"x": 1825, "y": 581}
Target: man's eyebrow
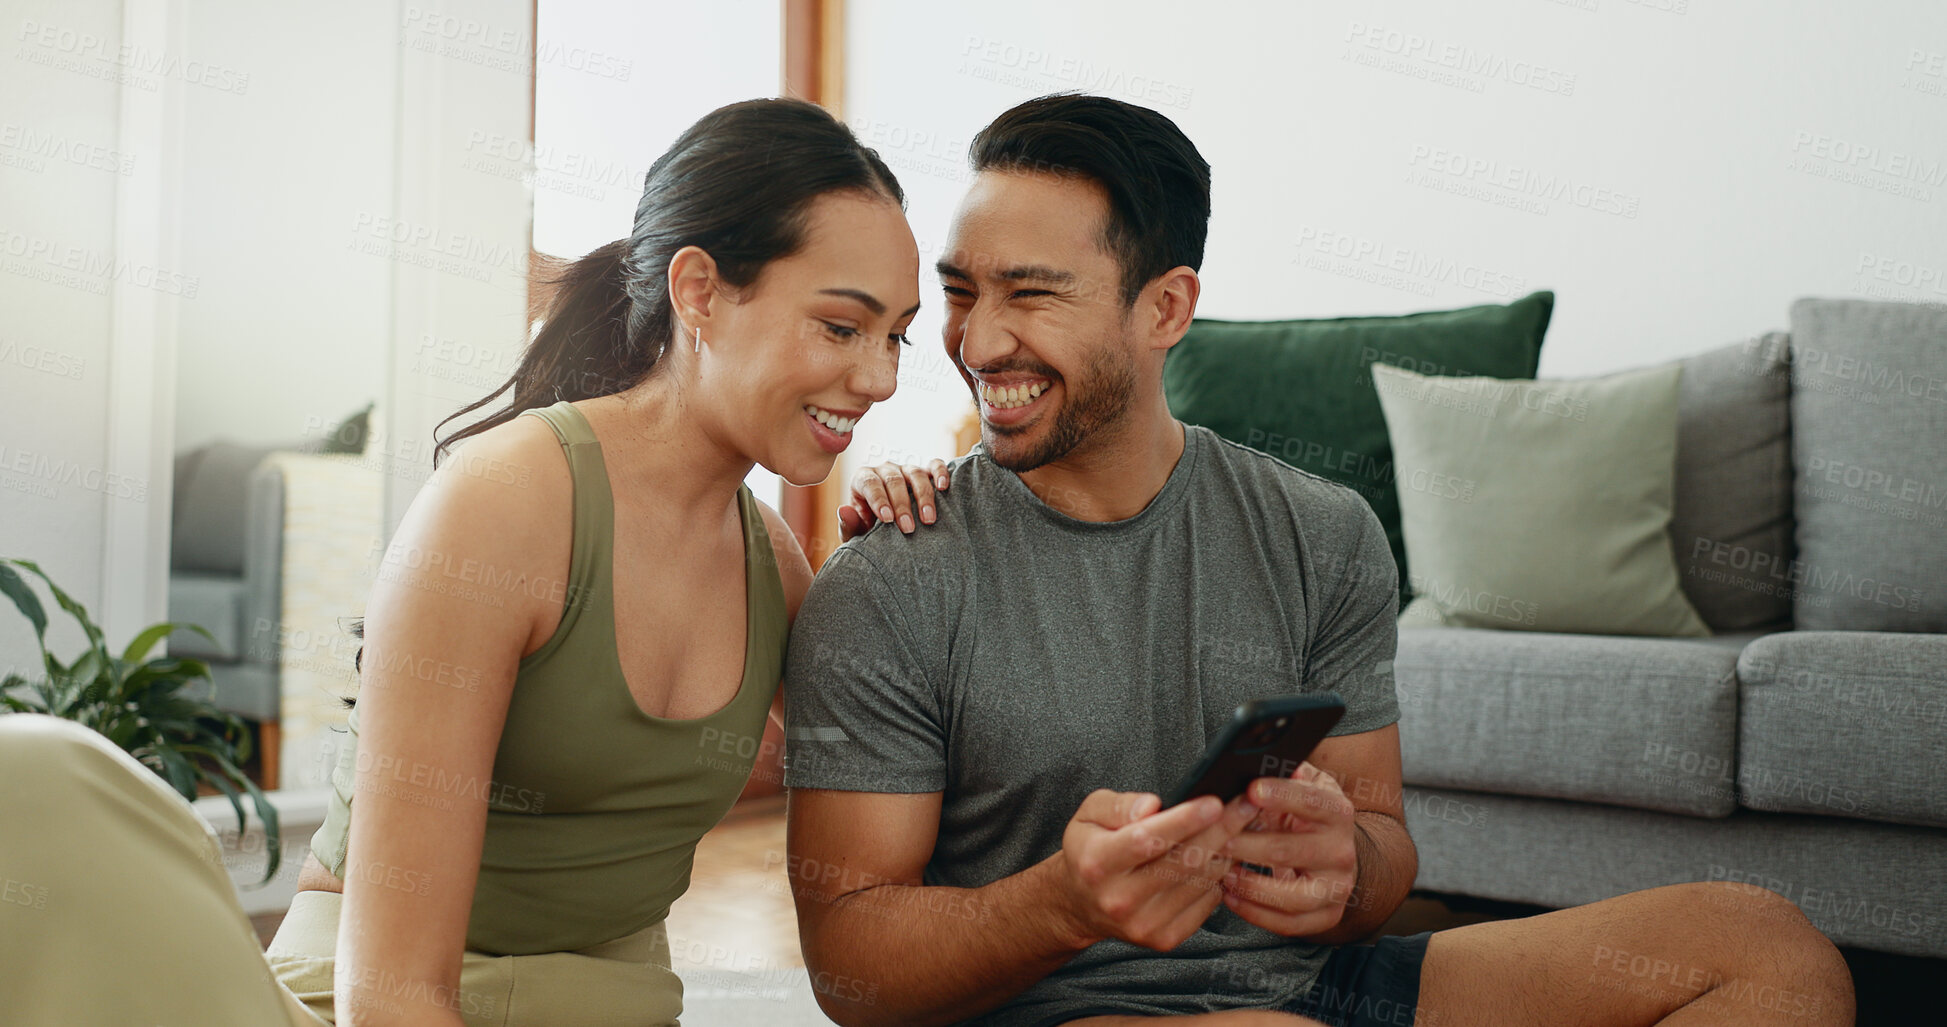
{"x": 871, "y": 302}
{"x": 1025, "y": 273}
{"x": 1037, "y": 273}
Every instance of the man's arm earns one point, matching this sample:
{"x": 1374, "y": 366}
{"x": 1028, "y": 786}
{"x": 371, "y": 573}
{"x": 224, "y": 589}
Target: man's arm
{"x": 1338, "y": 838}
{"x": 883, "y": 948}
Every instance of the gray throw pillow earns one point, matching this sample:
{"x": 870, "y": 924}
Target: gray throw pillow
{"x": 1541, "y": 505}
{"x": 1869, "y": 443}
{"x": 1732, "y": 526}
{"x": 210, "y": 509}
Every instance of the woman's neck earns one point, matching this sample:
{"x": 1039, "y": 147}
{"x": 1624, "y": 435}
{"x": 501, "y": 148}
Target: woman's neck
{"x": 666, "y": 446}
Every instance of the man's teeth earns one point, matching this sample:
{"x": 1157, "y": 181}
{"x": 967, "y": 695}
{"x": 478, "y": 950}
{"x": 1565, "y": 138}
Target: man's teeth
{"x": 841, "y": 425}
{"x": 1013, "y": 396}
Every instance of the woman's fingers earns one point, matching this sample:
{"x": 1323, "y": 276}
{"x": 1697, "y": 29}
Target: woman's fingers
{"x": 920, "y": 481}
{"x": 894, "y": 493}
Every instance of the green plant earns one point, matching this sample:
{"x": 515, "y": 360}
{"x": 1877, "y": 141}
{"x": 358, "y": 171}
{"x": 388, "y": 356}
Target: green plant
{"x": 139, "y": 704}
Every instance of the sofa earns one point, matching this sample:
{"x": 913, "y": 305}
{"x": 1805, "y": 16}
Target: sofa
{"x": 1800, "y": 747}
{"x": 271, "y": 547}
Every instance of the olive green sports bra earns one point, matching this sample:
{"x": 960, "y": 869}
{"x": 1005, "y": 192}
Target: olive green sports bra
{"x": 595, "y": 807}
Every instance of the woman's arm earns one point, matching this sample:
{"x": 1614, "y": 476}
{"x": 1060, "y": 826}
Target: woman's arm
{"x": 468, "y": 585}
{"x": 794, "y": 571}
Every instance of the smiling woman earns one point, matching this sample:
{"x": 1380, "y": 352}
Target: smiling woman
{"x": 569, "y": 613}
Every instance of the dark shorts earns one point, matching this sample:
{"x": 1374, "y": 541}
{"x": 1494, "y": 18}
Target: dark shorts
{"x": 1376, "y": 985}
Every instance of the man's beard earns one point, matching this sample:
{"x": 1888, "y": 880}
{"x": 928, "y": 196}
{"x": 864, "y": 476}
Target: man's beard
{"x": 1095, "y": 410}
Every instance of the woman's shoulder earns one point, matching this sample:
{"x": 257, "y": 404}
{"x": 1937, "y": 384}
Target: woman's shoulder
{"x": 793, "y": 570}
{"x": 504, "y": 497}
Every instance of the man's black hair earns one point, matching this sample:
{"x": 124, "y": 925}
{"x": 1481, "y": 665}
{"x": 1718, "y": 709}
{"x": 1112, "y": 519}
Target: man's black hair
{"x": 1158, "y": 184}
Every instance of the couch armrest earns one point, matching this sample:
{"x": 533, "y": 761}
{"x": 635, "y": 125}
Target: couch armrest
{"x": 333, "y": 511}
{"x": 263, "y": 563}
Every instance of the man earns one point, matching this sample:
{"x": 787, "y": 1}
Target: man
{"x": 982, "y": 712}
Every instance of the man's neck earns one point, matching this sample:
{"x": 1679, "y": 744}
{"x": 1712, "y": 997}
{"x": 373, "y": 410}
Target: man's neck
{"x": 1116, "y": 477}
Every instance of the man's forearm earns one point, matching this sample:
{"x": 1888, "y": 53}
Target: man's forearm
{"x": 920, "y": 955}
{"x": 1388, "y": 862}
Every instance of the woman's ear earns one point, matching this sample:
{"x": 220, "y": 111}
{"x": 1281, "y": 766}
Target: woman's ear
{"x": 692, "y": 286}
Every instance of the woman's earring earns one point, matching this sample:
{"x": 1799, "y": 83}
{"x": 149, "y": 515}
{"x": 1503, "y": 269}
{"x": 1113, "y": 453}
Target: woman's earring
{"x": 699, "y": 338}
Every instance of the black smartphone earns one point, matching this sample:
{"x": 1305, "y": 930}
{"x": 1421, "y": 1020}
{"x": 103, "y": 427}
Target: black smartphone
{"x": 1265, "y": 738}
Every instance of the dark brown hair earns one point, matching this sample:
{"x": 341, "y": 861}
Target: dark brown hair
{"x": 738, "y": 184}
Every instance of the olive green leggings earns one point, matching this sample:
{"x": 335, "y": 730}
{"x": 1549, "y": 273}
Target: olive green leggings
{"x": 115, "y": 908}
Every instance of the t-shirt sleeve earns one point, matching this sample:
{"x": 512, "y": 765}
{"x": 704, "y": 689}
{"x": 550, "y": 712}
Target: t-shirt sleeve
{"x": 860, "y": 711}
{"x": 1356, "y": 637}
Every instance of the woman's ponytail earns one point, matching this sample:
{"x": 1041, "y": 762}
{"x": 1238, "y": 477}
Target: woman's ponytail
{"x": 584, "y": 348}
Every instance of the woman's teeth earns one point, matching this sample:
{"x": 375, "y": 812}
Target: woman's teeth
{"x": 841, "y": 425}
{"x": 1014, "y": 396}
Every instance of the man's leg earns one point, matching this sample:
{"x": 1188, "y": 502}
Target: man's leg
{"x": 1714, "y": 953}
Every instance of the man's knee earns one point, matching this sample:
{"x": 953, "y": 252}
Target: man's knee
{"x": 1775, "y": 935}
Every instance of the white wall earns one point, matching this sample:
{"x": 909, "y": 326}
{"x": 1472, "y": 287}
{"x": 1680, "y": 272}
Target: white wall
{"x": 62, "y": 168}
{"x": 283, "y": 160}
{"x": 288, "y": 190}
{"x": 1719, "y": 158}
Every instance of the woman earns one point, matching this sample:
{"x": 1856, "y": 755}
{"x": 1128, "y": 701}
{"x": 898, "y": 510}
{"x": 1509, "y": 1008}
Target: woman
{"x": 578, "y": 607}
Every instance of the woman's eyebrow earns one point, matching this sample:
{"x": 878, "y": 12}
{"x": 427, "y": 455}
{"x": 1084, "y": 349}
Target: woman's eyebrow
{"x": 871, "y": 302}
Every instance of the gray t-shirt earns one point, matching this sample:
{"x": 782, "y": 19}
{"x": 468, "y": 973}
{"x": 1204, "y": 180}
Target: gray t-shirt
{"x": 1015, "y": 659}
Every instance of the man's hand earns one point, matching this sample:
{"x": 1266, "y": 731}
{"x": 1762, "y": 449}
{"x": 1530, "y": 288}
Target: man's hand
{"x": 1147, "y": 877}
{"x": 1306, "y": 837}
{"x": 889, "y": 492}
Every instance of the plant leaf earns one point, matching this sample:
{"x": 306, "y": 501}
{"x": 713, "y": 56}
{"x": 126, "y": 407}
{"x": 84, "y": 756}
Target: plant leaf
{"x": 75, "y": 610}
{"x": 139, "y": 646}
{"x": 176, "y": 770}
{"x": 24, "y": 598}
{"x": 273, "y": 831}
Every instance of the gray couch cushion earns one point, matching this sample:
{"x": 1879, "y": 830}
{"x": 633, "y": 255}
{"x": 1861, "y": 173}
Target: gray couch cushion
{"x": 208, "y": 533}
{"x": 1869, "y": 442}
{"x": 1643, "y": 722}
{"x": 1862, "y": 884}
{"x": 214, "y": 601}
{"x": 1845, "y": 724}
{"x": 1732, "y": 525}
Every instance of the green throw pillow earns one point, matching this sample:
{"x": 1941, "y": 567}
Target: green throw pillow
{"x": 1300, "y": 391}
{"x": 349, "y": 435}
{"x": 1541, "y": 505}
